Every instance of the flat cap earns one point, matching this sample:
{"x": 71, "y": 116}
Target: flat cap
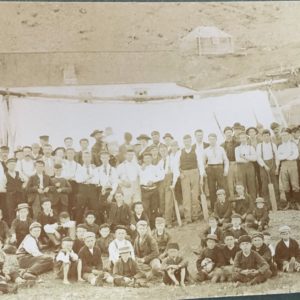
{"x": 274, "y": 125}
{"x": 237, "y": 125}
{"x": 187, "y": 136}
{"x": 11, "y": 160}
{"x": 143, "y": 137}
{"x": 22, "y": 205}
{"x": 160, "y": 220}
{"x": 89, "y": 234}
{"x": 212, "y": 237}
{"x": 4, "y": 148}
{"x": 227, "y": 128}
{"x": 284, "y": 228}
{"x": 244, "y": 239}
{"x": 257, "y": 234}
{"x": 58, "y": 166}
{"x": 35, "y": 225}
{"x": 235, "y": 216}
{"x": 104, "y": 225}
{"x": 212, "y": 135}
{"x": 44, "y": 137}
{"x": 120, "y": 227}
{"x": 168, "y": 135}
{"x": 266, "y": 131}
{"x": 259, "y": 200}
{"x": 141, "y": 223}
{"x": 155, "y": 132}
{"x": 96, "y": 131}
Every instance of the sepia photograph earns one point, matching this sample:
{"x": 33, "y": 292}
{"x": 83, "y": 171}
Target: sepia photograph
{"x": 149, "y": 150}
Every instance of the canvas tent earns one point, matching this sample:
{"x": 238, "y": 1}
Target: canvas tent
{"x": 138, "y": 108}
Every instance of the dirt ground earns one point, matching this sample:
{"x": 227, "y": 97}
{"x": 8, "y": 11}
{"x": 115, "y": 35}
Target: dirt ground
{"x": 188, "y": 239}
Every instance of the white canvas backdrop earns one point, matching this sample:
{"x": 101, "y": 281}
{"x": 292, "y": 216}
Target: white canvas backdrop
{"x": 4, "y": 123}
{"x": 30, "y": 118}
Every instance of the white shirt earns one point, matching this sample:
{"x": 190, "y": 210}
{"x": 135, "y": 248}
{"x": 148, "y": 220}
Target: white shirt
{"x": 288, "y": 151}
{"x": 26, "y": 168}
{"x": 3, "y": 179}
{"x": 87, "y": 175}
{"x": 128, "y": 171}
{"x": 115, "y": 245}
{"x": 66, "y": 257}
{"x": 41, "y": 177}
{"x": 287, "y": 243}
{"x": 49, "y": 165}
{"x": 174, "y": 163}
{"x": 216, "y": 155}
{"x": 30, "y": 245}
{"x": 69, "y": 169}
{"x": 266, "y": 151}
{"x": 108, "y": 177}
{"x": 150, "y": 173}
{"x": 245, "y": 153}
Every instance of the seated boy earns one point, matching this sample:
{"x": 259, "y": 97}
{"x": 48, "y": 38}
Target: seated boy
{"x": 236, "y": 228}
{"x": 174, "y": 266}
{"x": 119, "y": 241}
{"x": 79, "y": 240}
{"x": 161, "y": 236}
{"x": 242, "y": 203}
{"x": 287, "y": 252}
{"x": 138, "y": 214}
{"x": 5, "y": 236}
{"x": 268, "y": 242}
{"x": 216, "y": 260}
{"x": 20, "y": 225}
{"x": 222, "y": 208}
{"x": 146, "y": 250}
{"x": 90, "y": 266}
{"x": 66, "y": 261}
{"x": 249, "y": 266}
{"x": 126, "y": 271}
{"x": 259, "y": 219}
{"x": 211, "y": 229}
{"x": 263, "y": 250}
{"x": 90, "y": 218}
{"x": 60, "y": 196}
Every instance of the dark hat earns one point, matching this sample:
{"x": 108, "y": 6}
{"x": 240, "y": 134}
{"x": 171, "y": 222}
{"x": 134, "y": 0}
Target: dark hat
{"x": 274, "y": 125}
{"x": 64, "y": 215}
{"x": 155, "y": 132}
{"x": 259, "y": 200}
{"x": 237, "y": 126}
{"x": 169, "y": 135}
{"x": 143, "y": 137}
{"x": 212, "y": 237}
{"x": 57, "y": 166}
{"x": 4, "y": 148}
{"x": 295, "y": 129}
{"x": 96, "y": 131}
{"x": 105, "y": 225}
{"x": 266, "y": 131}
{"x": 249, "y": 128}
{"x": 83, "y": 226}
{"x": 18, "y": 151}
{"x": 147, "y": 154}
{"x": 58, "y": 148}
{"x": 43, "y": 200}
{"x": 11, "y": 160}
{"x": 286, "y": 130}
{"x": 244, "y": 239}
{"x": 267, "y": 233}
{"x": 90, "y": 212}
{"x": 228, "y": 233}
{"x": 141, "y": 223}
{"x": 44, "y": 137}
{"x": 120, "y": 227}
{"x": 39, "y": 161}
{"x": 22, "y": 205}
{"x": 227, "y": 128}
{"x": 235, "y": 216}
{"x": 35, "y": 225}
{"x": 89, "y": 234}
{"x": 67, "y": 239}
{"x": 257, "y": 234}
{"x": 173, "y": 246}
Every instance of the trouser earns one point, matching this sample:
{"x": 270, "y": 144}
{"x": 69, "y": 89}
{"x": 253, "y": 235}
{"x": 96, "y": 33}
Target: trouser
{"x": 169, "y": 200}
{"x": 177, "y": 273}
{"x": 232, "y": 178}
{"x": 214, "y": 275}
{"x": 250, "y": 220}
{"x": 216, "y": 180}
{"x": 60, "y": 202}
{"x": 272, "y": 178}
{"x": 3, "y": 206}
{"x": 190, "y": 193}
{"x": 154, "y": 267}
{"x": 12, "y": 201}
{"x": 289, "y": 175}
{"x": 36, "y": 264}
{"x": 246, "y": 175}
{"x": 254, "y": 279}
{"x": 258, "y": 178}
{"x": 87, "y": 198}
{"x": 133, "y": 193}
{"x": 150, "y": 204}
{"x": 35, "y": 201}
{"x": 59, "y": 269}
{"x": 72, "y": 198}
{"x": 165, "y": 196}
{"x": 104, "y": 206}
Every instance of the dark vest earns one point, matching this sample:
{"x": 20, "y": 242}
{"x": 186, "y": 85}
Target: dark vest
{"x": 188, "y": 161}
{"x": 13, "y": 184}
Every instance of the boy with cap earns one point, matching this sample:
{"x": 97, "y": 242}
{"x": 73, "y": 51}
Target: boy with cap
{"x": 146, "y": 251}
{"x": 90, "y": 267}
{"x": 287, "y": 252}
{"x": 14, "y": 189}
{"x": 119, "y": 241}
{"x": 259, "y": 219}
{"x": 288, "y": 154}
{"x": 174, "y": 267}
{"x": 39, "y": 186}
{"x": 103, "y": 242}
{"x": 268, "y": 242}
{"x": 90, "y": 225}
{"x": 212, "y": 228}
{"x": 222, "y": 208}
{"x": 249, "y": 266}
{"x": 263, "y": 250}
{"x": 236, "y": 229}
{"x": 217, "y": 167}
{"x": 30, "y": 256}
{"x": 20, "y": 225}
{"x": 161, "y": 236}
{"x": 66, "y": 261}
{"x": 60, "y": 199}
{"x": 189, "y": 176}
{"x": 79, "y": 240}
{"x": 211, "y": 255}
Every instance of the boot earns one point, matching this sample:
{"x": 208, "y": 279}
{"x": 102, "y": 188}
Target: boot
{"x": 286, "y": 206}
{"x": 297, "y": 200}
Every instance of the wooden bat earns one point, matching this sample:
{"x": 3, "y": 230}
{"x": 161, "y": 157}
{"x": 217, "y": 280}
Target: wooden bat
{"x": 272, "y": 194}
{"x": 177, "y": 212}
{"x": 203, "y": 200}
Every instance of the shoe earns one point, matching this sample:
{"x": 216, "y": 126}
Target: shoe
{"x": 286, "y": 207}
{"x": 291, "y": 265}
{"x": 29, "y": 276}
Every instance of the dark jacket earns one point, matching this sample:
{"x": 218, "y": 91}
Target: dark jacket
{"x": 103, "y": 243}
{"x": 132, "y": 271}
{"x": 161, "y": 240}
{"x": 119, "y": 215}
{"x": 222, "y": 210}
{"x": 135, "y": 219}
{"x": 243, "y": 206}
{"x": 34, "y": 182}
{"x": 214, "y": 254}
{"x": 77, "y": 245}
{"x": 229, "y": 254}
{"x": 90, "y": 261}
{"x": 20, "y": 228}
{"x": 261, "y": 214}
{"x": 147, "y": 248}
{"x": 265, "y": 252}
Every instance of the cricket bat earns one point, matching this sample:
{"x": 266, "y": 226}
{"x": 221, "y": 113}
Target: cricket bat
{"x": 272, "y": 195}
{"x": 177, "y": 212}
{"x": 203, "y": 201}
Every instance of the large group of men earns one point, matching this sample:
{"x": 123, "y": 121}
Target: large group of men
{"x": 105, "y": 210}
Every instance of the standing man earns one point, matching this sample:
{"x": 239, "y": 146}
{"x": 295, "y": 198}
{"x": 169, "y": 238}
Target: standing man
{"x": 245, "y": 155}
{"x": 4, "y": 153}
{"x": 48, "y": 160}
{"x": 268, "y": 161}
{"x": 124, "y": 147}
{"x": 44, "y": 139}
{"x": 155, "y": 138}
{"x": 98, "y": 146}
{"x": 84, "y": 146}
{"x": 276, "y": 138}
{"x": 128, "y": 176}
{"x": 35, "y": 151}
{"x": 68, "y": 141}
{"x": 168, "y": 139}
{"x": 189, "y": 175}
{"x": 217, "y": 167}
{"x": 237, "y": 129}
{"x": 229, "y": 146}
{"x": 288, "y": 154}
{"x": 144, "y": 141}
